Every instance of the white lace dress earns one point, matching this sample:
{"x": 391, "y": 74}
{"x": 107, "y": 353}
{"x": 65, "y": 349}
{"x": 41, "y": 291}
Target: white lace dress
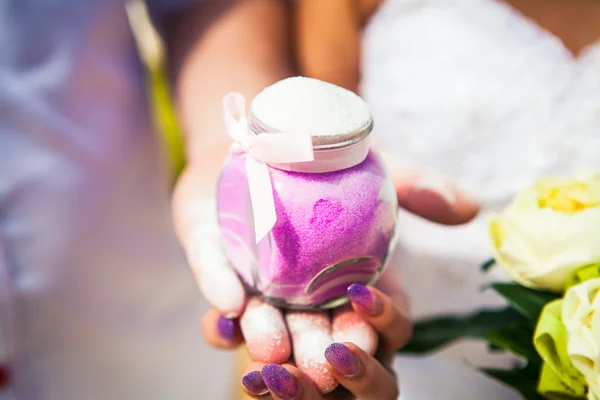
{"x": 475, "y": 91}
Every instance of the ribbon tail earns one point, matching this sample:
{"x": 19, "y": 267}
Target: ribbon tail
{"x": 261, "y": 196}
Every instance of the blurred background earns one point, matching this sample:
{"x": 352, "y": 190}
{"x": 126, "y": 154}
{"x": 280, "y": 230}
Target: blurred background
{"x": 485, "y": 95}
{"x": 219, "y": 375}
{"x": 151, "y": 50}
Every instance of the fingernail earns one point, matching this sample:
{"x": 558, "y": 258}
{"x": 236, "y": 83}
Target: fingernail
{"x": 254, "y": 383}
{"x": 280, "y": 382}
{"x": 343, "y": 360}
{"x": 226, "y": 328}
{"x": 364, "y": 299}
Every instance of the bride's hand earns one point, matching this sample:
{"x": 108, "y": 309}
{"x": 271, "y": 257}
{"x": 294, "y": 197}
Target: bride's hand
{"x": 264, "y": 326}
{"x": 361, "y": 372}
{"x": 361, "y": 377}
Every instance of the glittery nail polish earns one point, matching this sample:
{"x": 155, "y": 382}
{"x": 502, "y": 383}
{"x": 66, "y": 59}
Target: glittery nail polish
{"x": 254, "y": 383}
{"x": 226, "y": 328}
{"x": 343, "y": 360}
{"x": 280, "y": 382}
{"x": 364, "y": 299}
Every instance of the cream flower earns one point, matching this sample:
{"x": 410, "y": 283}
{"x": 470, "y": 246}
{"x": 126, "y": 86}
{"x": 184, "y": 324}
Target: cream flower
{"x": 581, "y": 317}
{"x": 549, "y": 231}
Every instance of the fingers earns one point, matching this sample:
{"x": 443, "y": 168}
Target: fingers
{"x": 196, "y": 225}
{"x": 289, "y": 383}
{"x": 311, "y": 334}
{"x": 281, "y": 382}
{"x": 390, "y": 320}
{"x": 433, "y": 199}
{"x": 218, "y": 282}
{"x": 349, "y": 326}
{"x": 429, "y": 195}
{"x": 360, "y": 373}
{"x": 221, "y": 332}
{"x": 253, "y": 382}
{"x": 265, "y": 332}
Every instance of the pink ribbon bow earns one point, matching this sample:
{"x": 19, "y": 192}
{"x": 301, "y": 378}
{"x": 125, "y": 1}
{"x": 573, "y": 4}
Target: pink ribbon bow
{"x": 261, "y": 150}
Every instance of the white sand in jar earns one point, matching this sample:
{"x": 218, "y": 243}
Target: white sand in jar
{"x": 300, "y": 104}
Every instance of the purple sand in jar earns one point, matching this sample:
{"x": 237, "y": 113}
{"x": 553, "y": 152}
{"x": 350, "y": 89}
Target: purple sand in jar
{"x": 320, "y": 224}
{"x": 332, "y": 229}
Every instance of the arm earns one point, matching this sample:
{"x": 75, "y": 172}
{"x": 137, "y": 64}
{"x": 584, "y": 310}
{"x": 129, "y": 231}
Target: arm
{"x": 328, "y": 35}
{"x": 217, "y": 47}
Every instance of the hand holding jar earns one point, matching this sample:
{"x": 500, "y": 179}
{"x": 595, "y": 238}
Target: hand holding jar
{"x": 306, "y": 213}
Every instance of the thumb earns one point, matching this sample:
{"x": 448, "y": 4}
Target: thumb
{"x": 429, "y": 195}
{"x": 217, "y": 281}
{"x": 194, "y": 213}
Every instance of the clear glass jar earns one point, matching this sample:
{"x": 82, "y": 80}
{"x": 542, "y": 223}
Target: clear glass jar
{"x": 335, "y": 221}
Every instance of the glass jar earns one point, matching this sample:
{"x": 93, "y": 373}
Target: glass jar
{"x": 335, "y": 219}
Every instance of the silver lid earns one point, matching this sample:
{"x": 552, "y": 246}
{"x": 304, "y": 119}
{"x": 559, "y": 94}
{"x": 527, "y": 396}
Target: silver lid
{"x": 320, "y": 142}
{"x": 335, "y": 117}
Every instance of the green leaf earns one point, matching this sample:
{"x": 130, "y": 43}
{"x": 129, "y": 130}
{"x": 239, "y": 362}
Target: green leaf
{"x": 517, "y": 339}
{"x": 486, "y": 266}
{"x": 528, "y": 302}
{"x": 524, "y": 380}
{"x": 492, "y": 348}
{"x": 433, "y": 333}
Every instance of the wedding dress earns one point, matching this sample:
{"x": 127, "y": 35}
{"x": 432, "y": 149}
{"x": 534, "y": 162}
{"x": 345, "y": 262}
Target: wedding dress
{"x": 490, "y": 101}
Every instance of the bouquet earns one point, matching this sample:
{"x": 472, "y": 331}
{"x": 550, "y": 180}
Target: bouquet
{"x": 548, "y": 242}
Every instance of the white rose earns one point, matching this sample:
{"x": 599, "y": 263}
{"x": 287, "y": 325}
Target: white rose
{"x": 581, "y": 317}
{"x": 549, "y": 231}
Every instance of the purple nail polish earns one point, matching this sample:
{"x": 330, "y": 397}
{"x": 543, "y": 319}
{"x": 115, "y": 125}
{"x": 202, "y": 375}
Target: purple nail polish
{"x": 254, "y": 383}
{"x": 343, "y": 360}
{"x": 364, "y": 299}
{"x": 226, "y": 328}
{"x": 280, "y": 382}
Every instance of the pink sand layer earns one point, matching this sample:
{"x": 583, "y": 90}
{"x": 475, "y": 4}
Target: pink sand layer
{"x": 322, "y": 220}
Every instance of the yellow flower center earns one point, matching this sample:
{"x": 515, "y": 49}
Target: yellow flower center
{"x": 570, "y": 197}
